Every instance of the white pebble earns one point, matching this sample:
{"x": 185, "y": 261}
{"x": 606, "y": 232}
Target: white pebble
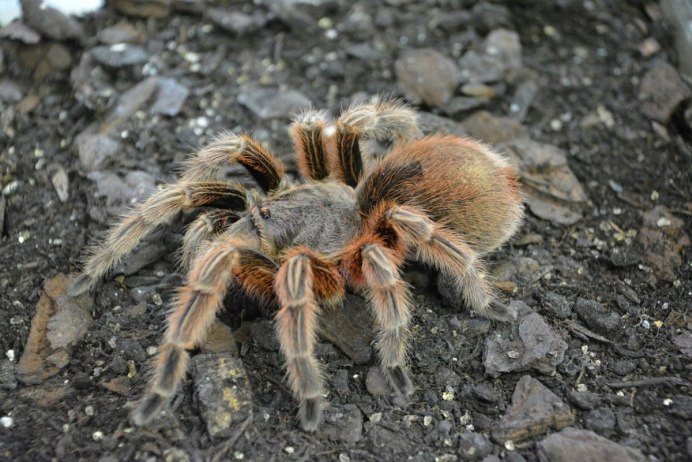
{"x": 10, "y": 355}
{"x": 97, "y": 435}
{"x": 6, "y": 421}
{"x": 667, "y": 402}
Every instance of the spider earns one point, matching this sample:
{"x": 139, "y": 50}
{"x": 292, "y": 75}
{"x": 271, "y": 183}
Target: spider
{"x": 297, "y": 245}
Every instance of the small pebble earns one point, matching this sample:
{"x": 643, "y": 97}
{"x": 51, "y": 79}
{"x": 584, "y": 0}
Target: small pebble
{"x": 6, "y": 421}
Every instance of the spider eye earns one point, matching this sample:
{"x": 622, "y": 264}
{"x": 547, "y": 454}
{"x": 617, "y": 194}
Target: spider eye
{"x": 265, "y": 213}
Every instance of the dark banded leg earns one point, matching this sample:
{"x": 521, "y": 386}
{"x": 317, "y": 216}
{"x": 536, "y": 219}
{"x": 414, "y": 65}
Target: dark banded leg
{"x": 203, "y": 230}
{"x": 228, "y": 149}
{"x": 194, "y": 311}
{"x": 308, "y": 132}
{"x": 300, "y": 280}
{"x": 159, "y": 209}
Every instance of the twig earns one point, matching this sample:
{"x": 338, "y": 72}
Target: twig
{"x": 649, "y": 381}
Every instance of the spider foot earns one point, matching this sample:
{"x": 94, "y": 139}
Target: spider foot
{"x": 310, "y": 413}
{"x": 501, "y": 312}
{"x": 399, "y": 380}
{"x": 147, "y": 409}
{"x": 79, "y": 285}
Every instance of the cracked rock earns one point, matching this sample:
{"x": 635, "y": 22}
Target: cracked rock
{"x": 342, "y": 423}
{"x": 532, "y": 344}
{"x": 272, "y": 103}
{"x": 224, "y": 393}
{"x": 534, "y": 410}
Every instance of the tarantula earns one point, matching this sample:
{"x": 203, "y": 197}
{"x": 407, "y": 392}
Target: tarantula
{"x": 297, "y": 245}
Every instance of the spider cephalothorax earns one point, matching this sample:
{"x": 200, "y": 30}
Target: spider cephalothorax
{"x": 352, "y": 222}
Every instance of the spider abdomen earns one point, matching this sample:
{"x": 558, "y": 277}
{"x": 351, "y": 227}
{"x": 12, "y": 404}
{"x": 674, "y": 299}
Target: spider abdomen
{"x": 458, "y": 182}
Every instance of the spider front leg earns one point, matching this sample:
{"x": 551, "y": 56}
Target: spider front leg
{"x": 159, "y": 209}
{"x": 301, "y": 280}
{"x": 195, "y": 309}
{"x": 438, "y": 247}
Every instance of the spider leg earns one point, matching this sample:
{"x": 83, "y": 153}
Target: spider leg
{"x": 384, "y": 121}
{"x": 390, "y": 300}
{"x": 195, "y": 309}
{"x": 309, "y": 131}
{"x": 159, "y": 209}
{"x": 228, "y": 149}
{"x": 301, "y": 280}
{"x": 201, "y": 231}
{"x": 437, "y": 246}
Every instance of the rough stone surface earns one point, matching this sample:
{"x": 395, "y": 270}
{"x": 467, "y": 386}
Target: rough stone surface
{"x": 271, "y": 103}
{"x": 342, "y": 423}
{"x": 224, "y": 393}
{"x": 661, "y": 91}
{"x": 427, "y": 76}
{"x": 554, "y": 192}
{"x": 596, "y": 316}
{"x": 573, "y": 445}
{"x": 59, "y": 323}
{"x": 534, "y": 410}
{"x": 350, "y": 328}
{"x": 532, "y": 344}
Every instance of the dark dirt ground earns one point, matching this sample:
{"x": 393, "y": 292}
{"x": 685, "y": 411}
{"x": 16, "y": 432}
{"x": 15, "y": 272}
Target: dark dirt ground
{"x": 626, "y": 170}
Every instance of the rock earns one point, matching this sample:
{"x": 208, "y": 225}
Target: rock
{"x": 461, "y": 104}
{"x": 585, "y": 400}
{"x": 170, "y": 97}
{"x": 487, "y": 16}
{"x": 144, "y": 255}
{"x": 59, "y": 323}
{"x": 17, "y": 30}
{"x": 427, "y": 76}
{"x": 498, "y": 59}
{"x": 143, "y": 8}
{"x": 624, "y": 367}
{"x": 220, "y": 340}
{"x": 224, "y": 393}
{"x": 682, "y": 341}
{"x": 118, "y": 385}
{"x": 600, "y": 420}
{"x": 572, "y": 445}
{"x": 523, "y": 98}
{"x": 663, "y": 237}
{"x": 264, "y": 334}
{"x": 534, "y": 410}
{"x": 531, "y": 345}
{"x": 679, "y": 16}
{"x": 119, "y": 55}
{"x": 596, "y": 317}
{"x": 61, "y": 183}
{"x": 91, "y": 84}
{"x": 557, "y": 304}
{"x": 236, "y": 22}
{"x": 10, "y": 91}
{"x": 350, "y": 328}
{"x": 300, "y": 15}
{"x": 8, "y": 379}
{"x": 135, "y": 187}
{"x": 130, "y": 102}
{"x": 342, "y": 423}
{"x": 3, "y": 203}
{"x": 473, "y": 446}
{"x": 661, "y": 91}
{"x": 491, "y": 129}
{"x": 376, "y": 383}
{"x": 272, "y": 103}
{"x": 95, "y": 149}
{"x": 45, "y": 59}
{"x": 50, "y": 22}
{"x": 431, "y": 123}
{"x": 122, "y": 32}
{"x": 553, "y": 191}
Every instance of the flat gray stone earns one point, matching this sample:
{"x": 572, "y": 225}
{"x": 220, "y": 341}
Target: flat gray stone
{"x": 572, "y": 445}
{"x": 596, "y": 316}
{"x": 661, "y": 91}
{"x": 170, "y": 97}
{"x": 342, "y": 423}
{"x": 224, "y": 393}
{"x": 272, "y": 103}
{"x": 119, "y": 55}
{"x": 534, "y": 410}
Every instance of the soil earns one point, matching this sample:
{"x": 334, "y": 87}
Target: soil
{"x": 626, "y": 170}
